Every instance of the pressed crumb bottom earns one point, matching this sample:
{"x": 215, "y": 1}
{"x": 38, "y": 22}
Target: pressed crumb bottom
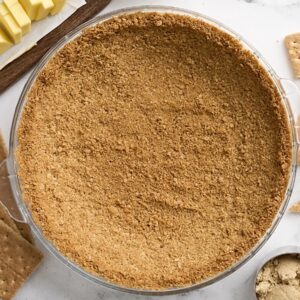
{"x": 154, "y": 151}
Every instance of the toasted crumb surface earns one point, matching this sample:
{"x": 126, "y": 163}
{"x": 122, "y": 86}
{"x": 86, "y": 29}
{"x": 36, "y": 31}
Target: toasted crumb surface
{"x": 154, "y": 151}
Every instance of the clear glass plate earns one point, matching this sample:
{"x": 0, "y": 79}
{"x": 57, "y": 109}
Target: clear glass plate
{"x": 25, "y": 215}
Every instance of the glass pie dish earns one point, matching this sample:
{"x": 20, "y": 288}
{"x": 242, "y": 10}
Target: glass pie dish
{"x": 20, "y": 212}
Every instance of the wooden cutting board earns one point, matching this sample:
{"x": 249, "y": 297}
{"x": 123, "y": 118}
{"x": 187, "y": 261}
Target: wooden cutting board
{"x": 24, "y": 63}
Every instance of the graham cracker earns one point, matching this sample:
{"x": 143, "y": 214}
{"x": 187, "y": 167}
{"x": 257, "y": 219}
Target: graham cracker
{"x": 4, "y": 216}
{"x": 25, "y": 232}
{"x": 298, "y": 135}
{"x": 3, "y": 150}
{"x": 18, "y": 259}
{"x": 292, "y": 43}
{"x": 21, "y": 228}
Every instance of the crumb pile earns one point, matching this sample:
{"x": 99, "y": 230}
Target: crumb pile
{"x": 154, "y": 151}
{"x": 279, "y": 279}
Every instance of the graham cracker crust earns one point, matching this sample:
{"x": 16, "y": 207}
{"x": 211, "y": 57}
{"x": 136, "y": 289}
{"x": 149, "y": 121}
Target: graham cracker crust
{"x": 154, "y": 151}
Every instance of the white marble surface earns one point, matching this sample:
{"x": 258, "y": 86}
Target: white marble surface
{"x": 262, "y": 22}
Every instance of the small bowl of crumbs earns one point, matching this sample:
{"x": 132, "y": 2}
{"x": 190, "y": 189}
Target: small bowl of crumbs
{"x": 279, "y": 276}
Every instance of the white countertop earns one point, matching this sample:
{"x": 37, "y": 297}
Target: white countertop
{"x": 264, "y": 23}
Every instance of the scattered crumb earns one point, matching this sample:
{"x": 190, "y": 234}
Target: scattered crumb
{"x": 295, "y": 208}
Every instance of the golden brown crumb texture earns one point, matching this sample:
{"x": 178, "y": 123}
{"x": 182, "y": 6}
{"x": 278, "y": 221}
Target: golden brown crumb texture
{"x": 154, "y": 151}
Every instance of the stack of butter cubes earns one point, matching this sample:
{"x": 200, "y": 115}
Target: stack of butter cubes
{"x": 16, "y": 17}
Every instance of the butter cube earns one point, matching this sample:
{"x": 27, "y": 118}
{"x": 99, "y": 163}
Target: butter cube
{"x": 58, "y": 6}
{"x": 9, "y": 24}
{"x": 5, "y": 43}
{"x": 37, "y": 9}
{"x": 19, "y": 15}
{"x": 44, "y": 9}
{"x": 31, "y": 7}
